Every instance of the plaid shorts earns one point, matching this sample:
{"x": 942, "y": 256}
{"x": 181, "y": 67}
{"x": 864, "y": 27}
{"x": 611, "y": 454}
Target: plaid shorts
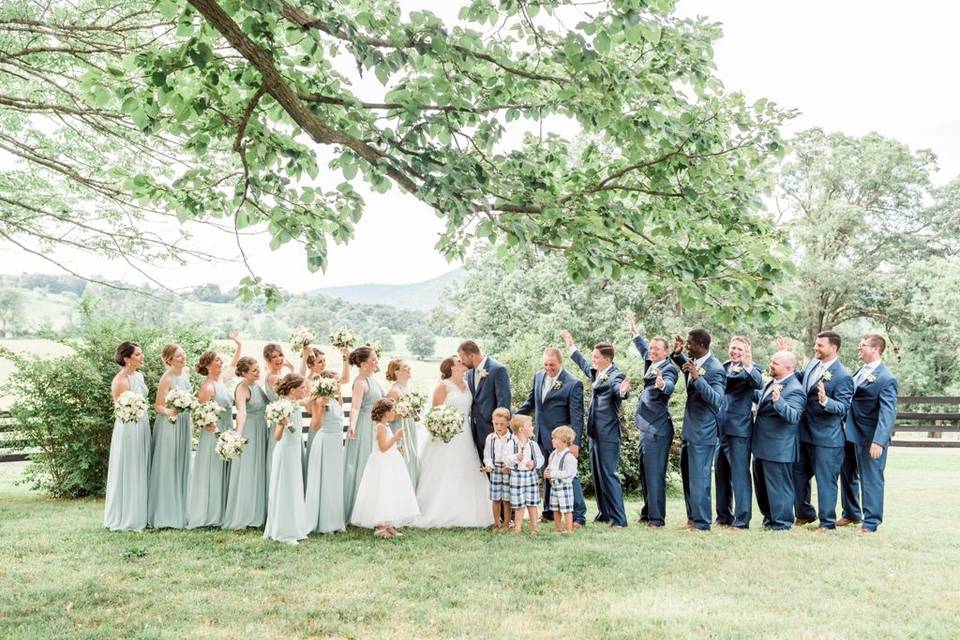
{"x": 524, "y": 490}
{"x": 499, "y": 485}
{"x": 561, "y": 495}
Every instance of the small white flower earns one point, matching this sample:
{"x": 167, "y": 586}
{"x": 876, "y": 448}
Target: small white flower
{"x": 827, "y": 376}
{"x": 736, "y": 369}
{"x": 654, "y": 371}
{"x": 481, "y": 373}
{"x": 701, "y": 371}
{"x": 871, "y": 378}
{"x": 603, "y": 377}
{"x": 557, "y": 385}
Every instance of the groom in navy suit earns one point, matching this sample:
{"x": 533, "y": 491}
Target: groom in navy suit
{"x": 489, "y": 383}
{"x": 610, "y": 386}
{"x": 869, "y": 426}
{"x": 556, "y": 399}
{"x": 829, "y": 388}
{"x": 706, "y": 404}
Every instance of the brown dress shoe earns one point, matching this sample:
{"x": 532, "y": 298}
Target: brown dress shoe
{"x": 842, "y": 522}
{"x": 801, "y": 521}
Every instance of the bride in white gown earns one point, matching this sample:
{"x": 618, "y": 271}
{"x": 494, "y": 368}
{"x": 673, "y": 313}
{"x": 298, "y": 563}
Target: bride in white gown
{"x": 452, "y": 490}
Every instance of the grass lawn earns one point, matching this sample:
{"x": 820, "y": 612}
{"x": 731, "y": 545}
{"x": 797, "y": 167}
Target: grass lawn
{"x": 63, "y": 577}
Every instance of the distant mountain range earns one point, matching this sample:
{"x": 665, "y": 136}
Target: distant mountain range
{"x": 419, "y": 296}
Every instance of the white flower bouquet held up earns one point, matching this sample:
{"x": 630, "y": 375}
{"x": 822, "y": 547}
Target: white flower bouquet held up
{"x": 279, "y": 409}
{"x": 301, "y": 337}
{"x": 343, "y": 339}
{"x": 230, "y": 444}
{"x": 208, "y": 412}
{"x": 129, "y": 407}
{"x": 444, "y": 423}
{"x": 325, "y": 388}
{"x": 179, "y": 400}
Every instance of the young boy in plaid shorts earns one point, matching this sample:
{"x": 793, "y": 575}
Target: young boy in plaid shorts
{"x": 527, "y": 458}
{"x": 497, "y": 452}
{"x": 560, "y": 472}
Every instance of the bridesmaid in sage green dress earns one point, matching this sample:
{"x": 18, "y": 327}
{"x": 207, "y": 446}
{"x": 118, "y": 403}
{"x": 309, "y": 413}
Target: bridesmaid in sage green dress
{"x": 276, "y": 363}
{"x": 172, "y": 448}
{"x": 399, "y": 373}
{"x": 207, "y": 495}
{"x": 325, "y": 508}
{"x": 286, "y": 516}
{"x": 125, "y": 508}
{"x": 313, "y": 364}
{"x": 246, "y": 500}
{"x": 360, "y": 435}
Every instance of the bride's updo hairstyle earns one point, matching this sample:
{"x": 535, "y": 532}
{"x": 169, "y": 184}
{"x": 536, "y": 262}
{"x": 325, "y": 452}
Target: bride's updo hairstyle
{"x": 446, "y": 367}
{"x": 289, "y": 382}
{"x": 360, "y": 355}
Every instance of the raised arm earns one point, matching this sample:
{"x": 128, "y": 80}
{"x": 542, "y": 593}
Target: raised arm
{"x": 839, "y": 403}
{"x": 713, "y": 388}
{"x": 790, "y": 406}
{"x": 345, "y": 369}
{"x": 317, "y": 412}
{"x": 232, "y": 367}
{"x": 302, "y": 370}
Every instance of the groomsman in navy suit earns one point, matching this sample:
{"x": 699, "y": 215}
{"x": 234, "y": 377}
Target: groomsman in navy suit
{"x": 829, "y": 387}
{"x": 734, "y": 494}
{"x": 706, "y": 402}
{"x": 489, "y": 383}
{"x": 774, "y": 442}
{"x": 869, "y": 425}
{"x": 654, "y": 423}
{"x": 556, "y": 399}
{"x": 610, "y": 386}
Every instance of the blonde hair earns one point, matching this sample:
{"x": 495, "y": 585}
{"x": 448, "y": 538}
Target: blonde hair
{"x": 564, "y": 434}
{"x": 169, "y": 350}
{"x": 392, "y": 369}
{"x": 518, "y": 422}
{"x": 501, "y": 412}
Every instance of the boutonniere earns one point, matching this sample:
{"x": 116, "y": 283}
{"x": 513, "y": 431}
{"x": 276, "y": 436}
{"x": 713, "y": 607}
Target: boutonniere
{"x": 557, "y": 385}
{"x": 827, "y": 376}
{"x": 701, "y": 371}
{"x": 736, "y": 369}
{"x": 870, "y": 378}
{"x": 603, "y": 377}
{"x": 482, "y": 373}
{"x": 654, "y": 371}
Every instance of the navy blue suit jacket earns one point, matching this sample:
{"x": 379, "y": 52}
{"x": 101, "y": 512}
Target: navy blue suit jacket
{"x": 823, "y": 426}
{"x": 706, "y": 401}
{"x": 603, "y": 419}
{"x": 490, "y": 392}
{"x": 563, "y": 406}
{"x": 741, "y": 384}
{"x": 873, "y": 409}
{"x": 653, "y": 412}
{"x": 777, "y": 424}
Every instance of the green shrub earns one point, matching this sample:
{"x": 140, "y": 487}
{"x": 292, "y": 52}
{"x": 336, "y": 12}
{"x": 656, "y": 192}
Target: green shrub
{"x": 63, "y": 408}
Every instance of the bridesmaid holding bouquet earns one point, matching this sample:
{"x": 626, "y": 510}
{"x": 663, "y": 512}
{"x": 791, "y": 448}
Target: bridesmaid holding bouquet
{"x": 246, "y": 499}
{"x": 360, "y": 435}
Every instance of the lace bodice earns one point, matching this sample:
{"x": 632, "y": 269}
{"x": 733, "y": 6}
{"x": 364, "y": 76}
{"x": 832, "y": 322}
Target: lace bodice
{"x": 461, "y": 400}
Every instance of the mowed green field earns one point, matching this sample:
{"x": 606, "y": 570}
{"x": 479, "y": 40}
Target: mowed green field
{"x": 62, "y": 576}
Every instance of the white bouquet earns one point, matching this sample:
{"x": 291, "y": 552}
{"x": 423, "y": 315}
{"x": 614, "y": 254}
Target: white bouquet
{"x": 280, "y": 409}
{"x": 300, "y": 338}
{"x": 343, "y": 339}
{"x": 325, "y": 388}
{"x": 230, "y": 444}
{"x": 410, "y": 405}
{"x": 179, "y": 400}
{"x": 377, "y": 348}
{"x": 208, "y": 412}
{"x": 444, "y": 423}
{"x": 130, "y": 407}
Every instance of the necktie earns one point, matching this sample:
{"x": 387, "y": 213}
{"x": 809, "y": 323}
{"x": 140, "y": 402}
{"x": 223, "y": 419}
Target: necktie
{"x": 860, "y": 376}
{"x": 814, "y": 376}
{"x": 547, "y": 383}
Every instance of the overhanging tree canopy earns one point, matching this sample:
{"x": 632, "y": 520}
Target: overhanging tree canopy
{"x": 598, "y": 130}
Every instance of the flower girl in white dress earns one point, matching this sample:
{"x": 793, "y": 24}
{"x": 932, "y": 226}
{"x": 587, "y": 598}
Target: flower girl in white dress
{"x": 385, "y": 497}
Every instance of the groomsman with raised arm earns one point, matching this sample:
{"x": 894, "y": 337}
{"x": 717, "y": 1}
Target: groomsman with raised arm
{"x": 829, "y": 387}
{"x": 869, "y": 425}
{"x": 610, "y": 386}
{"x": 489, "y": 383}
{"x": 774, "y": 442}
{"x": 556, "y": 400}
{"x": 706, "y": 401}
{"x": 734, "y": 494}
{"x": 654, "y": 424}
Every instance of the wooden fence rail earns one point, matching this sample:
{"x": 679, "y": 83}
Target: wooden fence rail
{"x": 934, "y": 423}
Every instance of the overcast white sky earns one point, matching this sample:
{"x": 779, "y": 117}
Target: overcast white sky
{"x": 851, "y": 66}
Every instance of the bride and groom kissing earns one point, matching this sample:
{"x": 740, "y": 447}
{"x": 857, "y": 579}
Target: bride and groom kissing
{"x": 453, "y": 490}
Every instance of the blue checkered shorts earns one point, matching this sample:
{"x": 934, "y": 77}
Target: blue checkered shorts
{"x": 561, "y": 495}
{"x": 499, "y": 485}
{"x": 524, "y": 490}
